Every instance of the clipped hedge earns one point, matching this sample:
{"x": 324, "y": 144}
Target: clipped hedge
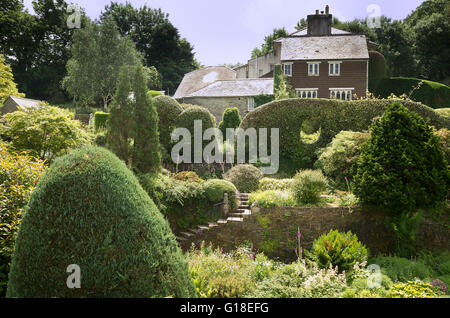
{"x": 189, "y": 115}
{"x": 444, "y": 112}
{"x": 328, "y": 116}
{"x": 89, "y": 210}
{"x": 377, "y": 69}
{"x": 432, "y": 94}
{"x": 153, "y": 93}
{"x": 244, "y": 177}
{"x": 168, "y": 110}
{"x": 230, "y": 119}
{"x": 100, "y": 120}
{"x": 216, "y": 188}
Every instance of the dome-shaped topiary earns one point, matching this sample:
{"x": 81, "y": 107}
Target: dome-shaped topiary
{"x": 89, "y": 210}
{"x": 230, "y": 119}
{"x": 216, "y": 188}
{"x": 168, "y": 110}
{"x": 189, "y": 115}
{"x": 377, "y": 70}
{"x": 244, "y": 177}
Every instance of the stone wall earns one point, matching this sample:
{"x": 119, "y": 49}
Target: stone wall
{"x": 274, "y": 230}
{"x": 217, "y": 105}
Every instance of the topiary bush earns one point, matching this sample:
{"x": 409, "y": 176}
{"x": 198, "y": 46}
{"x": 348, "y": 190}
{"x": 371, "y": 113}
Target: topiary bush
{"x": 444, "y": 136}
{"x": 100, "y": 120}
{"x": 307, "y": 186}
{"x": 152, "y": 93}
{"x": 168, "y": 110}
{"x": 244, "y": 177}
{"x": 190, "y": 176}
{"x": 337, "y": 159}
{"x": 328, "y": 116}
{"x": 377, "y": 70}
{"x": 230, "y": 119}
{"x": 402, "y": 165}
{"x": 343, "y": 250}
{"x": 444, "y": 112}
{"x": 216, "y": 188}
{"x": 89, "y": 210}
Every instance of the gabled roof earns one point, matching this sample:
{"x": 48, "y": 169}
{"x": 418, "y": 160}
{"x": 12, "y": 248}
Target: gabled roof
{"x": 25, "y": 103}
{"x": 198, "y": 79}
{"x": 334, "y": 31}
{"x": 334, "y": 47}
{"x": 236, "y": 88}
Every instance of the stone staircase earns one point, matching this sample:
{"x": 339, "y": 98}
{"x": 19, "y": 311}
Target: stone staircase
{"x": 239, "y": 215}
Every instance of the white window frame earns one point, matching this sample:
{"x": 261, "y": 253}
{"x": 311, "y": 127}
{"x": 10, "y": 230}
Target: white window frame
{"x": 334, "y": 92}
{"x": 290, "y": 68}
{"x": 308, "y": 92}
{"x": 334, "y": 63}
{"x": 313, "y": 73}
{"x": 250, "y": 104}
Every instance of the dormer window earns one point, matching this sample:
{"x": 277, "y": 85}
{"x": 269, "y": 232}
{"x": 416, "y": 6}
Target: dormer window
{"x": 334, "y": 68}
{"x": 313, "y": 68}
{"x": 287, "y": 68}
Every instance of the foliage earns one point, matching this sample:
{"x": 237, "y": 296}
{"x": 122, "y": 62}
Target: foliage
{"x": 230, "y": 119}
{"x": 157, "y": 39}
{"x": 188, "y": 176}
{"x": 337, "y": 159}
{"x": 413, "y": 289}
{"x": 244, "y": 177}
{"x": 272, "y": 198}
{"x": 444, "y": 135}
{"x": 90, "y": 201}
{"x": 98, "y": 54}
{"x": 432, "y": 94}
{"x": 402, "y": 269}
{"x": 283, "y": 89}
{"x": 7, "y": 85}
{"x": 402, "y": 165}
{"x": 274, "y": 184}
{"x": 377, "y": 70}
{"x": 330, "y": 116}
{"x": 168, "y": 110}
{"x": 152, "y": 93}
{"x": 46, "y": 132}
{"x": 267, "y": 46}
{"x": 146, "y": 154}
{"x": 19, "y": 174}
{"x": 263, "y": 99}
{"x": 406, "y": 228}
{"x": 343, "y": 250}
{"x": 444, "y": 112}
{"x": 307, "y": 186}
{"x": 215, "y": 190}
{"x": 154, "y": 78}
{"x": 100, "y": 120}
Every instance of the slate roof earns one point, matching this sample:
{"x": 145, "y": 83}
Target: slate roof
{"x": 236, "y": 88}
{"x": 198, "y": 79}
{"x": 25, "y": 103}
{"x": 334, "y": 47}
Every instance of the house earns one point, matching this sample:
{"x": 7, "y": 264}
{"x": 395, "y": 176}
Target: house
{"x": 319, "y": 61}
{"x": 14, "y": 103}
{"x": 218, "y": 88}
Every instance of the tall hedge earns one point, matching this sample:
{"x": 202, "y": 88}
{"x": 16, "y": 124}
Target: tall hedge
{"x": 168, "y": 110}
{"x": 88, "y": 209}
{"x": 332, "y": 116}
{"x": 432, "y": 94}
{"x": 377, "y": 70}
{"x": 230, "y": 119}
{"x": 100, "y": 120}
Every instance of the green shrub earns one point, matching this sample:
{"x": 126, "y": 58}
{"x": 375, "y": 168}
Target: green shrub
{"x": 188, "y": 176}
{"x": 337, "y": 159}
{"x": 100, "y": 120}
{"x": 216, "y": 188}
{"x": 19, "y": 174}
{"x": 402, "y": 165}
{"x": 432, "y": 94}
{"x": 413, "y": 289}
{"x": 100, "y": 138}
{"x": 377, "y": 70}
{"x": 308, "y": 185}
{"x": 272, "y": 198}
{"x": 230, "y": 119}
{"x": 153, "y": 93}
{"x": 263, "y": 99}
{"x": 343, "y": 250}
{"x": 168, "y": 110}
{"x": 401, "y": 269}
{"x": 274, "y": 184}
{"x": 244, "y": 177}
{"x": 331, "y": 116}
{"x": 444, "y": 112}
{"x": 89, "y": 210}
{"x": 444, "y": 135}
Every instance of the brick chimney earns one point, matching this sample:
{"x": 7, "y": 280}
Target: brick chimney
{"x": 320, "y": 23}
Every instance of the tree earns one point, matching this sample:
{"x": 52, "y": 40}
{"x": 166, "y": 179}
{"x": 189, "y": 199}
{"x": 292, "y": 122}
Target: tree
{"x": 45, "y": 132}
{"x": 147, "y": 156}
{"x": 267, "y": 46}
{"x": 7, "y": 85}
{"x": 98, "y": 53}
{"x": 158, "y": 40}
{"x": 230, "y": 119}
{"x": 153, "y": 78}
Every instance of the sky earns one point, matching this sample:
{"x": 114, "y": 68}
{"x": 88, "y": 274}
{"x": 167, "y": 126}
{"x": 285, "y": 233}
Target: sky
{"x": 225, "y": 32}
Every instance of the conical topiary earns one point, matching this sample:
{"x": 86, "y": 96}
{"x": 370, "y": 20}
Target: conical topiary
{"x": 89, "y": 210}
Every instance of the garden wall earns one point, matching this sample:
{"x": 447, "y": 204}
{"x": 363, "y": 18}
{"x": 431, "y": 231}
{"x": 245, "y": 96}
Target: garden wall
{"x": 274, "y": 231}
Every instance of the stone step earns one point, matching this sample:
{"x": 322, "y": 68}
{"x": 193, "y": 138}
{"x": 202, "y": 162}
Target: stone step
{"x": 180, "y": 239}
{"x": 243, "y": 207}
{"x": 222, "y": 221}
{"x": 194, "y": 231}
{"x": 232, "y": 219}
{"x": 237, "y": 215}
{"x": 203, "y": 228}
{"x": 211, "y": 225}
{"x": 187, "y": 234}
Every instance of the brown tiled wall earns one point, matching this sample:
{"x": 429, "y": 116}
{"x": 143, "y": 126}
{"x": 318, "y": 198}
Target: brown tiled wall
{"x": 353, "y": 75}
